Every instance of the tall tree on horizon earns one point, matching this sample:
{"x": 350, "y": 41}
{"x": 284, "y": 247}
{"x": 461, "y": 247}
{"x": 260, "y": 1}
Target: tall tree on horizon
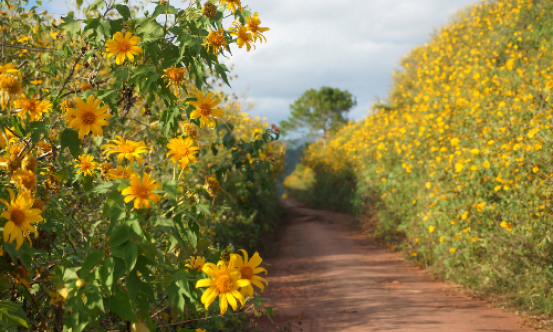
{"x": 319, "y": 110}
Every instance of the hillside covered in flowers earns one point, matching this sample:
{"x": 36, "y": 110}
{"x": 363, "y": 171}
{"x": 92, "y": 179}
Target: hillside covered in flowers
{"x": 455, "y": 166}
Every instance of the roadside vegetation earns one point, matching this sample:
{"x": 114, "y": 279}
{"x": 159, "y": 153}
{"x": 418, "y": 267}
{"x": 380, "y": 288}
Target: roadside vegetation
{"x": 455, "y": 166}
{"x": 134, "y": 196}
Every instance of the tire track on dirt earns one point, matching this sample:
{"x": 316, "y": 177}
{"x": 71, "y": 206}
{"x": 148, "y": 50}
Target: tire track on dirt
{"x": 336, "y": 279}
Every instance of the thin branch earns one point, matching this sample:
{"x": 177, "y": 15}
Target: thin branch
{"x": 32, "y": 49}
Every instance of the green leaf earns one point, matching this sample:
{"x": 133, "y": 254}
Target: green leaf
{"x": 133, "y": 285}
{"x": 121, "y": 305}
{"x": 106, "y": 273}
{"x": 170, "y": 187}
{"x": 38, "y": 129}
{"x": 12, "y": 314}
{"x": 90, "y": 262}
{"x": 103, "y": 188}
{"x": 131, "y": 253}
{"x": 70, "y": 138}
{"x": 204, "y": 209}
{"x": 71, "y": 26}
{"x": 120, "y": 237}
{"x": 67, "y": 51}
{"x": 123, "y": 11}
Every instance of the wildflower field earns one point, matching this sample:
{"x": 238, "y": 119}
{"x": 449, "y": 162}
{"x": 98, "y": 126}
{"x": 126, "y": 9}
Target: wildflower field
{"x": 455, "y": 166}
{"x": 134, "y": 194}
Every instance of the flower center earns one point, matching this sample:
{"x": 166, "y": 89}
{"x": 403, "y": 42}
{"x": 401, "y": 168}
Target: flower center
{"x": 127, "y": 148}
{"x": 10, "y": 85}
{"x": 243, "y": 33}
{"x": 88, "y": 118}
{"x": 246, "y": 272}
{"x": 141, "y": 191}
{"x": 175, "y": 75}
{"x": 216, "y": 39}
{"x": 124, "y": 46}
{"x": 205, "y": 109}
{"x": 17, "y": 216}
{"x": 85, "y": 165}
{"x": 223, "y": 284}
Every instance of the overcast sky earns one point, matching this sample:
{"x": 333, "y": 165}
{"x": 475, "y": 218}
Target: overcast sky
{"x": 352, "y": 45}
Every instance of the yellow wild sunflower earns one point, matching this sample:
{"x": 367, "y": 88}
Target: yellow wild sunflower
{"x": 123, "y": 46}
{"x": 86, "y": 86}
{"x": 224, "y": 280}
{"x": 20, "y": 216}
{"x": 189, "y": 129}
{"x": 231, "y": 5}
{"x": 126, "y": 149}
{"x": 244, "y": 36}
{"x": 256, "y": 30}
{"x": 8, "y": 69}
{"x": 248, "y": 270}
{"x": 205, "y": 109}
{"x": 216, "y": 39}
{"x": 25, "y": 180}
{"x": 121, "y": 173}
{"x": 34, "y": 108}
{"x": 87, "y": 117}
{"x": 86, "y": 164}
{"x": 10, "y": 85}
{"x": 212, "y": 185}
{"x": 142, "y": 191}
{"x": 196, "y": 263}
{"x": 175, "y": 76}
{"x": 182, "y": 151}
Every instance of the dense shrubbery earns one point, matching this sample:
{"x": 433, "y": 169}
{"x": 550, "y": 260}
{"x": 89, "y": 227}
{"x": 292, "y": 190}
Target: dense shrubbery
{"x": 458, "y": 159}
{"x": 125, "y": 176}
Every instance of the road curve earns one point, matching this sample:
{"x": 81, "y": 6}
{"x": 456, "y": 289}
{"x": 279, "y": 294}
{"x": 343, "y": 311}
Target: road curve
{"x": 326, "y": 277}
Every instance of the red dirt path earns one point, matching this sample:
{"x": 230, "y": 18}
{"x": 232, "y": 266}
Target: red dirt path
{"x": 337, "y": 279}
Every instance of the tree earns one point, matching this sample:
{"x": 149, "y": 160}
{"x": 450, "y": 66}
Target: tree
{"x": 319, "y": 110}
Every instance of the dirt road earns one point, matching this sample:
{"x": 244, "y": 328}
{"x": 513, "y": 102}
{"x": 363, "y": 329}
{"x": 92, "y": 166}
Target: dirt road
{"x": 336, "y": 279}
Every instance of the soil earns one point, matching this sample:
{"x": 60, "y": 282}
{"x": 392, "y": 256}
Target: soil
{"x": 325, "y": 276}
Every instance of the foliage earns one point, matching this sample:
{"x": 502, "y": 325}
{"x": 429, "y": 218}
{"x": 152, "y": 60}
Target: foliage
{"x": 120, "y": 166}
{"x": 458, "y": 159}
{"x": 319, "y": 110}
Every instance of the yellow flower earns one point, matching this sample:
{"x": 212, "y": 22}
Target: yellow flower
{"x": 431, "y": 228}
{"x": 10, "y": 85}
{"x": 216, "y": 39}
{"x": 33, "y": 107}
{"x": 175, "y": 76}
{"x": 25, "y": 179}
{"x": 224, "y": 281}
{"x": 212, "y": 185}
{"x": 88, "y": 116}
{"x": 142, "y": 191}
{"x": 209, "y": 9}
{"x": 9, "y": 68}
{"x": 126, "y": 149}
{"x": 253, "y": 26}
{"x": 231, "y": 5}
{"x": 190, "y": 129}
{"x": 243, "y": 34}
{"x": 507, "y": 225}
{"x": 248, "y": 270}
{"x": 123, "y": 46}
{"x": 452, "y": 250}
{"x": 86, "y": 86}
{"x": 182, "y": 151}
{"x": 86, "y": 164}
{"x": 20, "y": 216}
{"x": 196, "y": 263}
{"x": 120, "y": 172}
{"x": 205, "y": 109}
